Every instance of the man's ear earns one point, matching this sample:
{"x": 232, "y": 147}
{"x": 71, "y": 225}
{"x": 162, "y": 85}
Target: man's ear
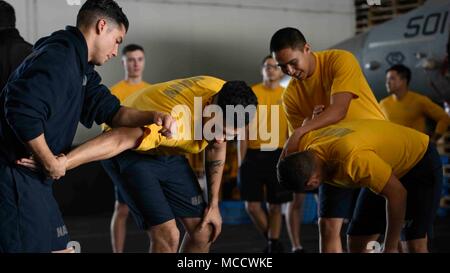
{"x": 314, "y": 181}
{"x": 307, "y": 48}
{"x": 101, "y": 26}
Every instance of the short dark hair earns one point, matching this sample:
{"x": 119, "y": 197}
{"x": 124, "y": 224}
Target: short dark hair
{"x": 7, "y": 15}
{"x": 131, "y": 48}
{"x": 288, "y": 37}
{"x": 236, "y": 93}
{"x": 265, "y": 59}
{"x": 295, "y": 170}
{"x": 92, "y": 10}
{"x": 403, "y": 71}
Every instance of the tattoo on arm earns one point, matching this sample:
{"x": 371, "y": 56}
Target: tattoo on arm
{"x": 213, "y": 166}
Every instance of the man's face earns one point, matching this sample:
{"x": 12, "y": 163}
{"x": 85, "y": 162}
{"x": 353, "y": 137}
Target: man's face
{"x": 134, "y": 63}
{"x": 106, "y": 44}
{"x": 394, "y": 82}
{"x": 271, "y": 71}
{"x": 295, "y": 62}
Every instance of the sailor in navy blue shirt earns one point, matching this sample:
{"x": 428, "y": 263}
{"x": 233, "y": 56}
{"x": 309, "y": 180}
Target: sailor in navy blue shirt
{"x": 49, "y": 93}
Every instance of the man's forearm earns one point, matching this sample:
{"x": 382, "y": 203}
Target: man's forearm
{"x": 41, "y": 152}
{"x": 104, "y": 146}
{"x": 396, "y": 209}
{"x": 395, "y": 194}
{"x": 129, "y": 117}
{"x": 214, "y": 164}
{"x": 329, "y": 116}
{"x": 53, "y": 166}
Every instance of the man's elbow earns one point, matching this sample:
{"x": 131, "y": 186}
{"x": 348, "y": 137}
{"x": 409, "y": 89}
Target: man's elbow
{"x": 215, "y": 146}
{"x": 127, "y": 138}
{"x": 397, "y": 195}
{"x": 338, "y": 115}
{"x": 402, "y": 193}
{"x": 116, "y": 121}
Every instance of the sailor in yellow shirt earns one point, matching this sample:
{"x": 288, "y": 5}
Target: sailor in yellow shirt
{"x": 133, "y": 60}
{"x": 333, "y": 80}
{"x": 258, "y": 157}
{"x": 408, "y": 108}
{"x": 155, "y": 180}
{"x": 402, "y": 166}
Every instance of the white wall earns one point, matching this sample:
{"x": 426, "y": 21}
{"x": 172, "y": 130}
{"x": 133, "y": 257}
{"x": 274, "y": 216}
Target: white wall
{"x": 223, "y": 38}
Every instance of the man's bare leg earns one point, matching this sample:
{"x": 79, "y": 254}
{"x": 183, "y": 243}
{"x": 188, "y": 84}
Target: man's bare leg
{"x": 196, "y": 240}
{"x": 164, "y": 238}
{"x": 293, "y": 220}
{"x": 258, "y": 216}
{"x": 119, "y": 227}
{"x": 330, "y": 235}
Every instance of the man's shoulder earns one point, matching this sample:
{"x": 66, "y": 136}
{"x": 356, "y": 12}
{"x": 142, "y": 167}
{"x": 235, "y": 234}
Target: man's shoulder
{"x": 334, "y": 53}
{"x": 257, "y": 87}
{"x": 146, "y": 84}
{"x": 60, "y": 44}
{"x": 291, "y": 89}
{"x": 417, "y": 96}
{"x": 386, "y": 100}
{"x": 117, "y": 85}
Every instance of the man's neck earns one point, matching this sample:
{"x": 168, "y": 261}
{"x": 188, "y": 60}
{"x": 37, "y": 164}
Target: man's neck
{"x": 133, "y": 80}
{"x": 401, "y": 93}
{"x": 89, "y": 42}
{"x": 271, "y": 84}
{"x": 312, "y": 63}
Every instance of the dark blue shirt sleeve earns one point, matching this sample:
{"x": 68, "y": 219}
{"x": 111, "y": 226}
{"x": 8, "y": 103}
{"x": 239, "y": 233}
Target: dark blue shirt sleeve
{"x": 99, "y": 104}
{"x": 32, "y": 98}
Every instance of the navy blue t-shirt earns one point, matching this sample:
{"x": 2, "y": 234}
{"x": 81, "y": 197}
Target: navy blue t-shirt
{"x": 49, "y": 93}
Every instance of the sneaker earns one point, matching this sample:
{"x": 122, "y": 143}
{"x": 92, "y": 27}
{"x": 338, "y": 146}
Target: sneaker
{"x": 275, "y": 247}
{"x": 300, "y": 250}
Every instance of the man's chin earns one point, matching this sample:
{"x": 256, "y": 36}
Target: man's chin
{"x": 97, "y": 63}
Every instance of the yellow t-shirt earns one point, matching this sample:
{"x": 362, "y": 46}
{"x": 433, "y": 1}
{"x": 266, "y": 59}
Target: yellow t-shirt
{"x": 177, "y": 98}
{"x": 266, "y": 99}
{"x": 123, "y": 89}
{"x": 336, "y": 71}
{"x": 365, "y": 153}
{"x": 412, "y": 110}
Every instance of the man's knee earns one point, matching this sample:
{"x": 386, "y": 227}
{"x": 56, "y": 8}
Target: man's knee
{"x": 201, "y": 237}
{"x": 274, "y": 209}
{"x": 330, "y": 227}
{"x": 417, "y": 246}
{"x": 253, "y": 207}
{"x": 297, "y": 203}
{"x": 165, "y": 237}
{"x": 122, "y": 210}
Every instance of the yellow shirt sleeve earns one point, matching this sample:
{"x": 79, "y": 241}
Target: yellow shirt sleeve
{"x": 105, "y": 127}
{"x": 291, "y": 109}
{"x": 368, "y": 170}
{"x": 151, "y": 138}
{"x": 436, "y": 113}
{"x": 347, "y": 73}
